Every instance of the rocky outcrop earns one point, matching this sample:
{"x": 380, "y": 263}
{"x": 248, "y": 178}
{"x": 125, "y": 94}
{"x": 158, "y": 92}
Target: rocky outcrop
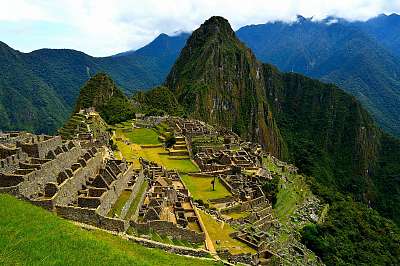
{"x": 218, "y": 80}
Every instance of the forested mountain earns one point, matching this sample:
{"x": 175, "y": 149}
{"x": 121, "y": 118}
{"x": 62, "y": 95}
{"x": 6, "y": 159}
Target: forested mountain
{"x": 38, "y": 89}
{"x": 360, "y": 57}
{"x": 218, "y": 80}
{"x": 385, "y": 29}
{"x": 326, "y": 132}
{"x": 337, "y": 51}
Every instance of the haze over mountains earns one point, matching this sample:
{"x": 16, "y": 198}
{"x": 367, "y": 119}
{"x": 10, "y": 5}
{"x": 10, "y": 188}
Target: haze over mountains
{"x": 361, "y": 57}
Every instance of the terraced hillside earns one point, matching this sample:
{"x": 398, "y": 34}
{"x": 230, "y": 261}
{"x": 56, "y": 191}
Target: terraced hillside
{"x": 83, "y": 124}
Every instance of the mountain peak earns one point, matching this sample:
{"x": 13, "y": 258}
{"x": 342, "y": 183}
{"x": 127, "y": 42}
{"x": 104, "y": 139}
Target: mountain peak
{"x": 217, "y": 79}
{"x": 98, "y": 90}
{"x": 216, "y": 25}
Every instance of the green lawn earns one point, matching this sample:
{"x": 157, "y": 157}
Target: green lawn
{"x": 143, "y": 136}
{"x": 238, "y": 215}
{"x": 220, "y": 231}
{"x": 156, "y": 154}
{"x": 33, "y": 236}
{"x": 119, "y": 204}
{"x": 159, "y": 156}
{"x": 200, "y": 188}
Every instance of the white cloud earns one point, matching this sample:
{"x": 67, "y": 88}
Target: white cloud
{"x": 106, "y": 27}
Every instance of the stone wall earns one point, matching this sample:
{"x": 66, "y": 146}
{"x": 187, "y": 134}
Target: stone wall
{"x": 238, "y": 258}
{"x": 41, "y": 146}
{"x": 91, "y": 217}
{"x": 166, "y": 228}
{"x": 110, "y": 196}
{"x": 68, "y": 190}
{"x": 170, "y": 248}
{"x": 35, "y": 181}
{"x": 11, "y": 163}
{"x": 244, "y": 206}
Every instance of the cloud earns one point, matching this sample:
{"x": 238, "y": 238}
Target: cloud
{"x": 107, "y": 27}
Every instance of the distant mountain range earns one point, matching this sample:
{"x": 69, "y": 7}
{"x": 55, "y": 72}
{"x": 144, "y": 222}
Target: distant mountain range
{"x": 361, "y": 57}
{"x": 38, "y": 89}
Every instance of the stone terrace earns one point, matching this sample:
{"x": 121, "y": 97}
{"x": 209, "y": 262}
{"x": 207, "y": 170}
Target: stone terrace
{"x": 166, "y": 207}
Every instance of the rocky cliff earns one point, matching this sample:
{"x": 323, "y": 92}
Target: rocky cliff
{"x": 218, "y": 80}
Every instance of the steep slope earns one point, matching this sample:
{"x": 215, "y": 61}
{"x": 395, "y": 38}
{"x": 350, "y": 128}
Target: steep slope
{"x": 43, "y": 85}
{"x": 217, "y": 79}
{"x": 385, "y": 29}
{"x": 26, "y": 101}
{"x": 337, "y": 51}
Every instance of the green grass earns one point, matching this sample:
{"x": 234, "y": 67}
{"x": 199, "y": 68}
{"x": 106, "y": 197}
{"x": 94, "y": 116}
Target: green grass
{"x": 156, "y": 154}
{"x": 220, "y": 231}
{"x": 159, "y": 156}
{"x": 200, "y": 188}
{"x": 237, "y": 215}
{"x": 143, "y": 136}
{"x": 119, "y": 204}
{"x": 293, "y": 192}
{"x": 33, "y": 236}
{"x": 136, "y": 201}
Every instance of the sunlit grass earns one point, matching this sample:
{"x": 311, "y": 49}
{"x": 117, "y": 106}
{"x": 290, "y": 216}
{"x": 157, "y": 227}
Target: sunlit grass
{"x": 30, "y": 235}
{"x": 201, "y": 188}
{"x": 143, "y": 136}
{"x": 220, "y": 232}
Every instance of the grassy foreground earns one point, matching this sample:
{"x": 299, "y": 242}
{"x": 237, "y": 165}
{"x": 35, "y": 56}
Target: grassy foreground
{"x": 30, "y": 235}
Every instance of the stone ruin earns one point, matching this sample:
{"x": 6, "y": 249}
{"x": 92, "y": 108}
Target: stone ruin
{"x": 191, "y": 127}
{"x": 167, "y": 207}
{"x": 78, "y": 183}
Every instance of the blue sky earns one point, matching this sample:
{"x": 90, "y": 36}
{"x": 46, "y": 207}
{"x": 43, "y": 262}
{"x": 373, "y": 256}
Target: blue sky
{"x": 102, "y": 28}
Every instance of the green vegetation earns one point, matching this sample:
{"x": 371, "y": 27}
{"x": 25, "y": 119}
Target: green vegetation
{"x": 158, "y": 101}
{"x": 142, "y": 136}
{"x": 156, "y": 154}
{"x": 31, "y": 235}
{"x": 335, "y": 50}
{"x": 43, "y": 85}
{"x": 238, "y": 215}
{"x": 353, "y": 234}
{"x": 136, "y": 201}
{"x": 78, "y": 123}
{"x": 196, "y": 79}
{"x": 271, "y": 189}
{"x": 220, "y": 232}
{"x": 290, "y": 195}
{"x": 101, "y": 92}
{"x": 201, "y": 188}
{"x": 119, "y": 204}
